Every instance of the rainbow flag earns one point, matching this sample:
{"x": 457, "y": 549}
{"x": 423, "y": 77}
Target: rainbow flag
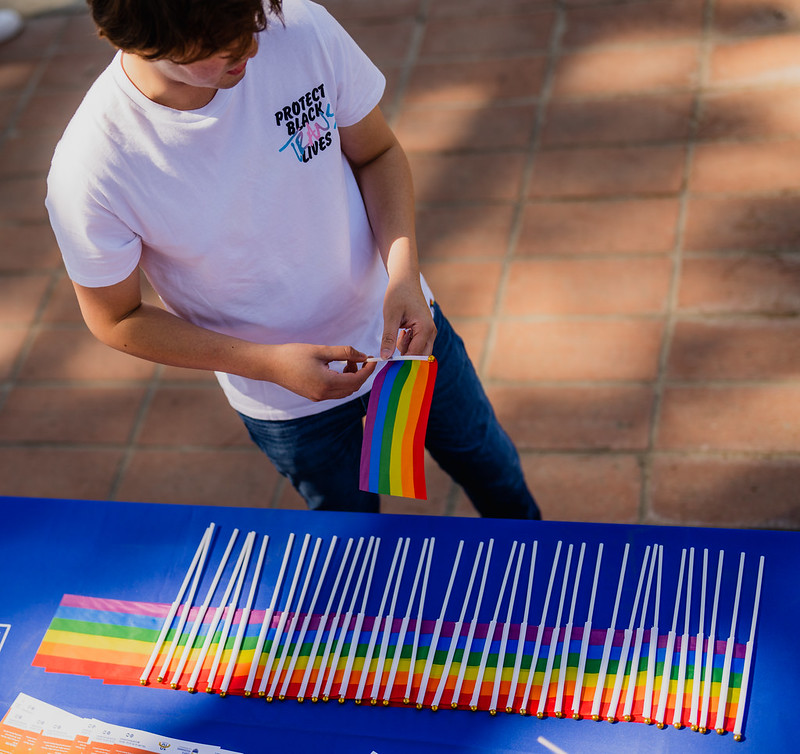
{"x": 392, "y": 454}
{"x": 110, "y": 640}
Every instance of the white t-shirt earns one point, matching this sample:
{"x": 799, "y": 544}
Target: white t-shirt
{"x": 244, "y": 215}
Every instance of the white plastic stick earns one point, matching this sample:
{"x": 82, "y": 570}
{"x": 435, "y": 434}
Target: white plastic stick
{"x": 219, "y": 612}
{"x": 322, "y": 623}
{"x": 162, "y": 673}
{"x": 345, "y": 625}
{"x": 748, "y": 658}
{"x": 708, "y": 675}
{"x": 551, "y": 654}
{"x": 698, "y": 649}
{"x": 562, "y": 671}
{"x": 267, "y": 620}
{"x": 437, "y": 629}
{"x": 726, "y": 668}
{"x": 456, "y": 632}
{"x": 287, "y": 608}
{"x": 619, "y": 678}
{"x": 198, "y": 621}
{"x": 245, "y": 617}
{"x": 193, "y": 569}
{"x": 540, "y": 633}
{"x": 652, "y": 647}
{"x": 276, "y": 676}
{"x": 587, "y": 630}
{"x": 230, "y": 610}
{"x": 418, "y": 625}
{"x": 501, "y": 654}
{"x": 331, "y": 642}
{"x": 298, "y": 645}
{"x": 677, "y": 717}
{"x": 387, "y": 626}
{"x": 398, "y": 357}
{"x": 212, "y": 628}
{"x": 523, "y": 634}
{"x": 471, "y": 632}
{"x": 376, "y": 626}
{"x": 487, "y": 642}
{"x": 401, "y": 636}
{"x": 637, "y": 643}
{"x": 666, "y": 673}
{"x": 351, "y": 655}
{"x": 601, "y": 676}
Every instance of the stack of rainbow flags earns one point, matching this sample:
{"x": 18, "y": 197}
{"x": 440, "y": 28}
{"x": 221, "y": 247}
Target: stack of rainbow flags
{"x": 111, "y": 640}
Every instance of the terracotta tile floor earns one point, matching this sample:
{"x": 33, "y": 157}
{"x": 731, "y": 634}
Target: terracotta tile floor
{"x": 609, "y": 210}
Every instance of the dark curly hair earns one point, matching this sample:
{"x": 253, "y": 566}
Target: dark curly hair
{"x": 182, "y": 30}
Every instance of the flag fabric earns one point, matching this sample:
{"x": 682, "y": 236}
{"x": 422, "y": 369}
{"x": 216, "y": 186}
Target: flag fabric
{"x": 111, "y": 640}
{"x": 393, "y": 450}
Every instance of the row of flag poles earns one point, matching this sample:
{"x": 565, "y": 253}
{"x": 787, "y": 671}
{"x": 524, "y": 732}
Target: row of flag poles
{"x": 322, "y": 645}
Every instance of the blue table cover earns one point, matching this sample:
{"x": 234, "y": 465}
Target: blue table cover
{"x": 136, "y": 551}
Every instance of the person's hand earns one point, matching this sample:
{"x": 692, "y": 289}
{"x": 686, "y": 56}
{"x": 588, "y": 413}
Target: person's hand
{"x": 407, "y": 321}
{"x": 304, "y": 370}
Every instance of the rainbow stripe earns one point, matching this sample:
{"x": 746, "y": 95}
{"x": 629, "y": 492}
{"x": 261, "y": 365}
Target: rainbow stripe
{"x": 111, "y": 640}
{"x": 392, "y": 454}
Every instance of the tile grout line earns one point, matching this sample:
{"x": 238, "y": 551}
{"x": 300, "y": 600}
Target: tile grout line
{"x": 544, "y": 96}
{"x": 421, "y": 19}
{"x": 131, "y": 446}
{"x": 10, "y": 383}
{"x": 606, "y": 452}
{"x": 57, "y": 274}
{"x": 645, "y": 501}
{"x": 277, "y": 492}
{"x": 412, "y": 57}
{"x": 553, "y": 54}
{"x": 534, "y": 141}
{"x": 28, "y": 90}
{"x": 34, "y": 327}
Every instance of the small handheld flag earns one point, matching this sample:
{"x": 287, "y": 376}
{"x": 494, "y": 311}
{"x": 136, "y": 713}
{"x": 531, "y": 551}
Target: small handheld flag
{"x": 392, "y": 454}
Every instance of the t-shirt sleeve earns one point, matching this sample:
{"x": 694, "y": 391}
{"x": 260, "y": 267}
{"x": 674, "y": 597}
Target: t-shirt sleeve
{"x": 359, "y": 83}
{"x": 97, "y": 247}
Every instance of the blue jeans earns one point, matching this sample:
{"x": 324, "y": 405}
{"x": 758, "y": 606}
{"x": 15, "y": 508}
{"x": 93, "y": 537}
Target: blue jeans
{"x": 320, "y": 454}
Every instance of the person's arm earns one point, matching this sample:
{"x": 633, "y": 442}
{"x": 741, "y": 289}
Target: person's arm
{"x": 384, "y": 177}
{"x": 117, "y": 316}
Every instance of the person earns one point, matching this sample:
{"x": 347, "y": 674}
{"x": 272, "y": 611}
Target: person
{"x": 11, "y": 24}
{"x": 235, "y": 153}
